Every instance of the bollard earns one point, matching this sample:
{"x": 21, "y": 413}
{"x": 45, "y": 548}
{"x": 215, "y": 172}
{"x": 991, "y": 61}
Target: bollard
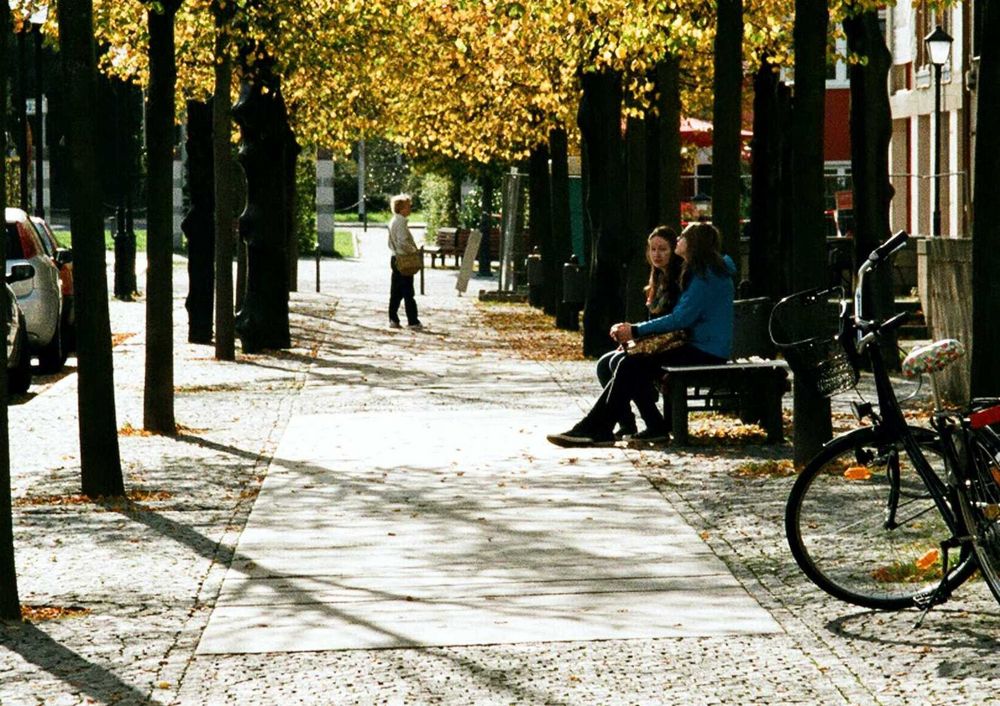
{"x": 536, "y": 279}
{"x": 574, "y": 281}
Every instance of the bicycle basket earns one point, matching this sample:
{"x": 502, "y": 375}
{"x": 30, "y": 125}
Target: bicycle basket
{"x": 806, "y": 328}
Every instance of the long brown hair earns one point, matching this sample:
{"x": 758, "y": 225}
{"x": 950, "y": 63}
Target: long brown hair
{"x": 703, "y": 242}
{"x": 663, "y": 288}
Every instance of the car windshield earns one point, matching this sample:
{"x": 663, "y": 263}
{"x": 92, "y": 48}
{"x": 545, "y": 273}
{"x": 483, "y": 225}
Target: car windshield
{"x": 14, "y": 251}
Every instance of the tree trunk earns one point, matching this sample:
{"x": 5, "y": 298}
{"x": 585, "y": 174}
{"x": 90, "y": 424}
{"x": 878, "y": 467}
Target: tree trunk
{"x": 291, "y": 154}
{"x": 10, "y": 603}
{"x": 100, "y": 462}
{"x": 124, "y": 178}
{"x": 485, "y": 220}
{"x": 637, "y": 219}
{"x": 667, "y": 152}
{"x": 198, "y": 223}
{"x": 454, "y": 204}
{"x": 727, "y": 113}
{"x": 262, "y": 322}
{"x": 812, "y": 411}
{"x": 562, "y": 233}
{"x": 985, "y": 380}
{"x": 766, "y": 190}
{"x": 158, "y": 398}
{"x": 871, "y": 130}
{"x": 540, "y": 223}
{"x": 224, "y": 172}
{"x": 599, "y": 118}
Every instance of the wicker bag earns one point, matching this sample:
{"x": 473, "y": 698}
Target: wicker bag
{"x": 409, "y": 264}
{"x": 657, "y": 343}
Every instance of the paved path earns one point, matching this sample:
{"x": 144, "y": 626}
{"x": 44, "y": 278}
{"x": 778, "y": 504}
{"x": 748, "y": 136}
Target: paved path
{"x": 446, "y": 426}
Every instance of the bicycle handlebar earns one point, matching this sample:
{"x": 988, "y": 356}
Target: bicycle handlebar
{"x": 876, "y": 329}
{"x": 889, "y": 247}
{"x": 877, "y": 256}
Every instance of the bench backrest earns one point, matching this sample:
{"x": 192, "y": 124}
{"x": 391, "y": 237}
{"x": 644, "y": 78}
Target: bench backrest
{"x": 750, "y": 334}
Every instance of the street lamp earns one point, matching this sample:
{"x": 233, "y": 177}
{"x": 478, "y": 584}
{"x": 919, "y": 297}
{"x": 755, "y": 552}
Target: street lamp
{"x": 938, "y": 45}
{"x": 37, "y": 19}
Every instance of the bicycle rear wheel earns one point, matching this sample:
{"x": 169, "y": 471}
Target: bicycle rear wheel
{"x": 979, "y": 501}
{"x": 858, "y": 539}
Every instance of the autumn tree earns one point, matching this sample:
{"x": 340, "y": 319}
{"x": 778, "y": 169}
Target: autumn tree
{"x": 811, "y": 410}
{"x": 871, "y": 131}
{"x": 100, "y": 461}
{"x": 10, "y": 605}
{"x": 727, "y": 118}
{"x": 158, "y": 392}
{"x": 986, "y": 219}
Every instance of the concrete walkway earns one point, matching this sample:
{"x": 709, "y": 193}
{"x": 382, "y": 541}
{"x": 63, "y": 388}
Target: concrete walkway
{"x": 378, "y": 511}
{"x": 446, "y": 518}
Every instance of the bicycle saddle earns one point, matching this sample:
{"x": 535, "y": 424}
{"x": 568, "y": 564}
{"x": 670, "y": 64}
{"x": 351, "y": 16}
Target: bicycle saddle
{"x": 932, "y": 357}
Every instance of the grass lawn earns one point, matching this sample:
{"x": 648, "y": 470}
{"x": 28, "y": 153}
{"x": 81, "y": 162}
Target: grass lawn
{"x": 343, "y": 243}
{"x": 378, "y": 217}
{"x": 64, "y": 240}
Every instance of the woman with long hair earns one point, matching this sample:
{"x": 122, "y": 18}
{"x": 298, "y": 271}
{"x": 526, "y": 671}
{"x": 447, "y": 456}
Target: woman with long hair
{"x": 704, "y": 309}
{"x": 662, "y": 292}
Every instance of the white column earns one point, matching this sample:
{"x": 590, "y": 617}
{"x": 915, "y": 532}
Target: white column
{"x": 324, "y": 205}
{"x": 916, "y": 192}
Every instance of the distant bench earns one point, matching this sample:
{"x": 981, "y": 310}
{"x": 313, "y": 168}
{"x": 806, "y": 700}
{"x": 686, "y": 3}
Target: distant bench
{"x": 751, "y": 385}
{"x": 452, "y": 241}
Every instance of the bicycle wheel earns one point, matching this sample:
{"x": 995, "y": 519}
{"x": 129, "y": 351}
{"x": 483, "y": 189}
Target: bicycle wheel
{"x": 856, "y": 538}
{"x": 979, "y": 501}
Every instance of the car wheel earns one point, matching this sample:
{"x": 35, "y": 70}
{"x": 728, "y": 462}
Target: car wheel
{"x": 19, "y": 375}
{"x": 52, "y": 356}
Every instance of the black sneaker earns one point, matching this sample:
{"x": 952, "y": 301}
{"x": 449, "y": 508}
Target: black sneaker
{"x": 579, "y": 438}
{"x": 651, "y": 436}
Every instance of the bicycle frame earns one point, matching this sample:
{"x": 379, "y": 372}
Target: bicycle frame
{"x": 863, "y": 336}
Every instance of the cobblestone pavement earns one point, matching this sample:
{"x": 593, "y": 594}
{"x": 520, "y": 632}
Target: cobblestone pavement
{"x": 148, "y": 573}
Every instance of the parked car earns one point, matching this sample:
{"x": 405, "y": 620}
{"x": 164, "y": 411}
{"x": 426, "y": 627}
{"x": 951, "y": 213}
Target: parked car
{"x": 39, "y": 297}
{"x": 18, "y": 355}
{"x": 63, "y": 258}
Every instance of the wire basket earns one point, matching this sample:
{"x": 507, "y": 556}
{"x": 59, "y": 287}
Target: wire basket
{"x": 806, "y": 327}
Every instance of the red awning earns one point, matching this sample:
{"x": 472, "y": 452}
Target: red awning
{"x": 699, "y": 132}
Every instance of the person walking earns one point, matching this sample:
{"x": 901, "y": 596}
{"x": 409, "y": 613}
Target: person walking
{"x": 401, "y": 242}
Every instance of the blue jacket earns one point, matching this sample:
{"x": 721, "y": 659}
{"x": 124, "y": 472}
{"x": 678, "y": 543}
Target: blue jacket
{"x": 705, "y": 309}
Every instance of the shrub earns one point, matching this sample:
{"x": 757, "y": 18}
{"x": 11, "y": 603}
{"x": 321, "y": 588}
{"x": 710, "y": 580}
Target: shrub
{"x": 305, "y": 201}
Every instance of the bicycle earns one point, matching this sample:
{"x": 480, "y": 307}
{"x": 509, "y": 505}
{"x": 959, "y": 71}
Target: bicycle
{"x": 874, "y": 517}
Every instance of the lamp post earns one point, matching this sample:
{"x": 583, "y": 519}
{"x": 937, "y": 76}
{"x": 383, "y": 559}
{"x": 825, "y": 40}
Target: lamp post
{"x": 938, "y": 45}
{"x": 37, "y": 19}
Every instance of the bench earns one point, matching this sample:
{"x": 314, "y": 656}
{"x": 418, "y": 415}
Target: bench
{"x": 452, "y": 241}
{"x": 435, "y": 252}
{"x": 752, "y": 384}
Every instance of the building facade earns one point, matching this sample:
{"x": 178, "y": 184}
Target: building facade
{"x": 917, "y": 126}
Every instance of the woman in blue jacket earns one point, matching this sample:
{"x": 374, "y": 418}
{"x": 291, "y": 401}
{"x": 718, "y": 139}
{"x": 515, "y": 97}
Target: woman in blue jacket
{"x": 705, "y": 310}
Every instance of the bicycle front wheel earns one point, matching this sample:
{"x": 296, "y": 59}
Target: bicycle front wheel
{"x": 979, "y": 501}
{"x": 863, "y": 526}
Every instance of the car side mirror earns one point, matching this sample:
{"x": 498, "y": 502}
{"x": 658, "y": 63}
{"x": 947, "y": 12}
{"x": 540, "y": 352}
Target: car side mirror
{"x": 64, "y": 256}
{"x": 20, "y": 273}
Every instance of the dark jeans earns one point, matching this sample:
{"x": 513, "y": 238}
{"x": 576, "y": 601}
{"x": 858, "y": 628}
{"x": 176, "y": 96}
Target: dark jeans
{"x": 401, "y": 290}
{"x": 646, "y": 404}
{"x": 631, "y": 382}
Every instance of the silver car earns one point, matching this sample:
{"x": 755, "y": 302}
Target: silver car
{"x": 18, "y": 355}
{"x": 39, "y": 297}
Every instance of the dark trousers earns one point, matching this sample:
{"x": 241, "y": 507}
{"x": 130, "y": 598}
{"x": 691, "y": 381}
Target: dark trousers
{"x": 401, "y": 290}
{"x": 631, "y": 382}
{"x": 646, "y": 404}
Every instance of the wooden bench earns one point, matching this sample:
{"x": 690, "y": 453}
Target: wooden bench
{"x": 435, "y": 252}
{"x": 751, "y": 385}
{"x": 452, "y": 241}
